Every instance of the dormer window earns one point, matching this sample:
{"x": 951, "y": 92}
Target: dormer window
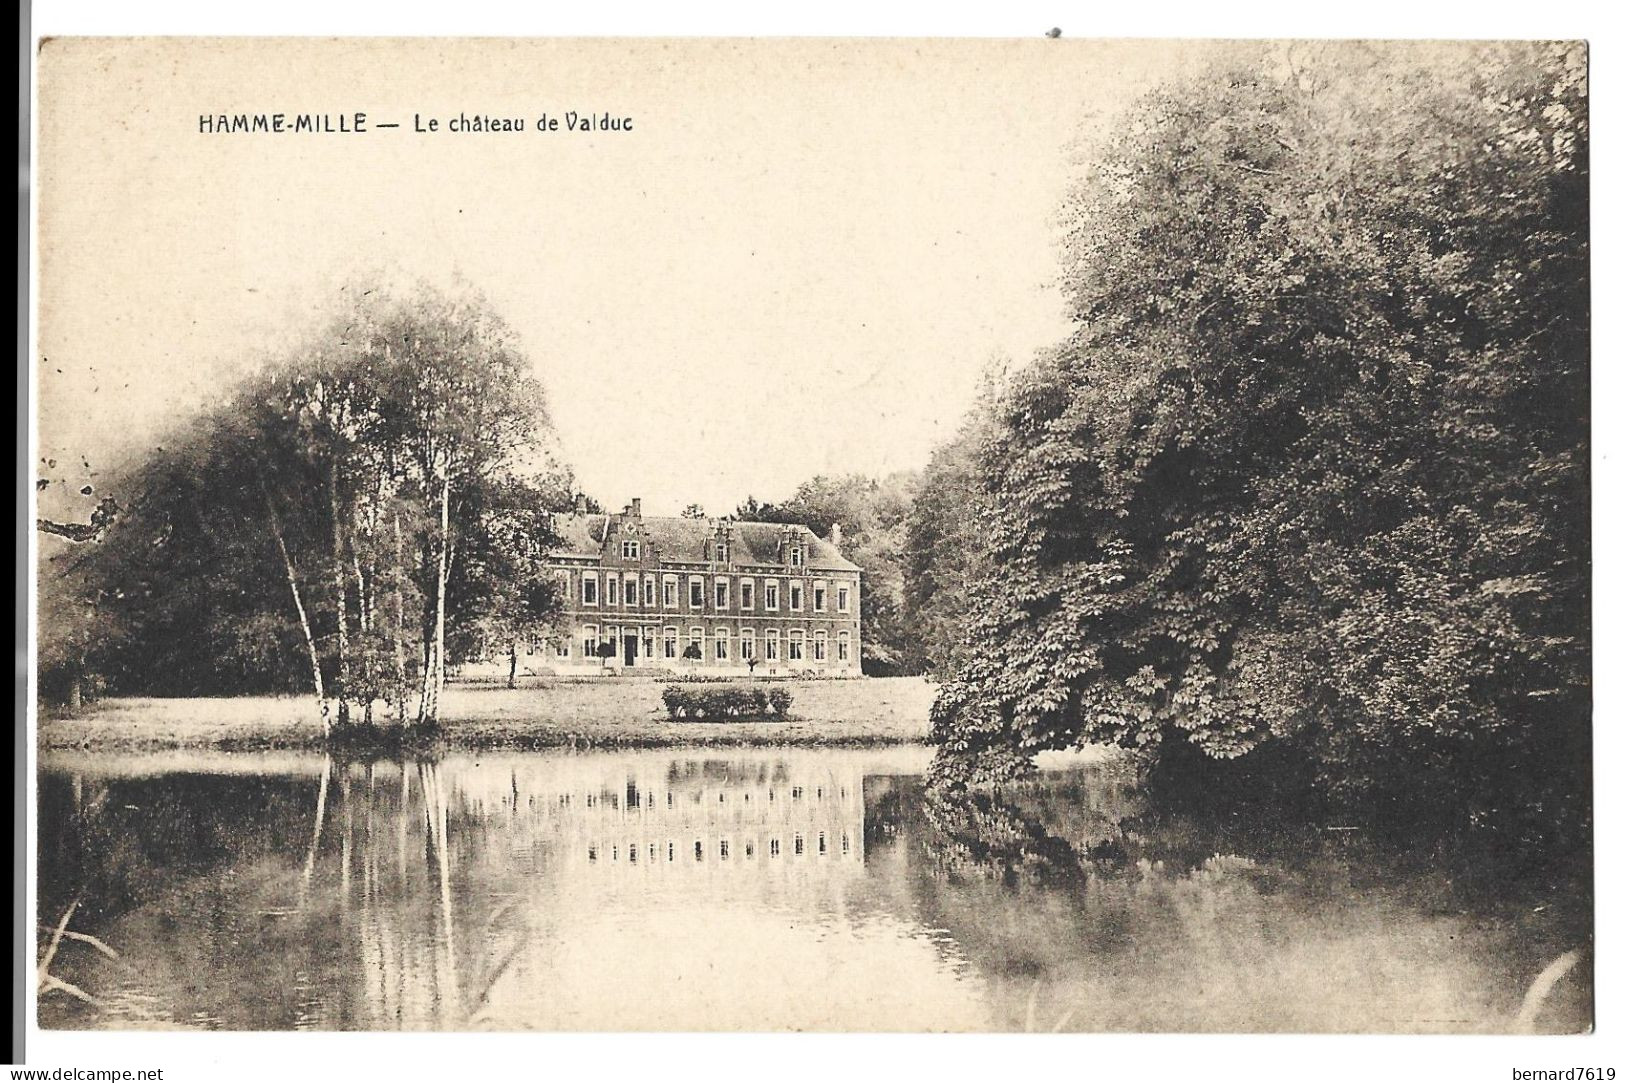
{"x": 629, "y": 550}
{"x": 722, "y": 552}
{"x": 795, "y": 556}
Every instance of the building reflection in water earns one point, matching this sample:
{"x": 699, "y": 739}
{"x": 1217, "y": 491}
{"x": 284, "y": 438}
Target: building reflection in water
{"x": 728, "y": 887}
{"x": 647, "y": 890}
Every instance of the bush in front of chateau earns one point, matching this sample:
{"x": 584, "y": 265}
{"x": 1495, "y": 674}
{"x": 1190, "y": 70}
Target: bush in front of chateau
{"x": 718, "y": 704}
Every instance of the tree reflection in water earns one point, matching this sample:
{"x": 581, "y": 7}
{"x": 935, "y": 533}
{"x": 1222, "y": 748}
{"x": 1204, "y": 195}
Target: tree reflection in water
{"x": 744, "y": 890}
{"x": 984, "y": 832}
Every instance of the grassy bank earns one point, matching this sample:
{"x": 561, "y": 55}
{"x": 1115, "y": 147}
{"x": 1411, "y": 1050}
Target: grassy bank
{"x": 609, "y": 712}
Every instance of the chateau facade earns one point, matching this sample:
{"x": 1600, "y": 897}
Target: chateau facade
{"x": 768, "y": 599}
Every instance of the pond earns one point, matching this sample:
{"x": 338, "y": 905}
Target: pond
{"x": 753, "y": 889}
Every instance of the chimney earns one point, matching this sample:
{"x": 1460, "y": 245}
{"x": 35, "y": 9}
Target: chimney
{"x": 835, "y": 535}
{"x": 581, "y": 503}
{"x": 637, "y": 507}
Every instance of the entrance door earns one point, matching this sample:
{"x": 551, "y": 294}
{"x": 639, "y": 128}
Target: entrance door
{"x": 629, "y": 648}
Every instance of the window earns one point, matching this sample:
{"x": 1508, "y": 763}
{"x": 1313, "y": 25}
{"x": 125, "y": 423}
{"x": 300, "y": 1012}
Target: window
{"x": 629, "y": 550}
{"x": 722, "y": 644}
{"x": 772, "y": 645}
{"x": 722, "y": 552}
{"x": 747, "y": 644}
{"x": 819, "y": 594}
{"x": 589, "y": 588}
{"x": 795, "y": 597}
{"x": 648, "y": 637}
{"x": 562, "y": 648}
{"x": 770, "y": 595}
{"x": 612, "y": 591}
{"x": 589, "y": 641}
{"x": 820, "y": 645}
{"x": 795, "y": 556}
{"x": 696, "y": 639}
{"x": 796, "y": 645}
{"x": 722, "y": 594}
{"x": 631, "y": 594}
{"x": 696, "y": 593}
{"x": 668, "y": 592}
{"x": 747, "y": 594}
{"x": 843, "y": 599}
{"x": 843, "y": 647}
{"x": 669, "y": 643}
{"x": 649, "y": 591}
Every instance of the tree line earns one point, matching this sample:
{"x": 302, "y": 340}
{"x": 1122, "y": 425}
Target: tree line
{"x": 360, "y": 511}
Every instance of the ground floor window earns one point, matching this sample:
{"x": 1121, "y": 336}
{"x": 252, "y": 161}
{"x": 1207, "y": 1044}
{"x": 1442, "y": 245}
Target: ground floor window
{"x": 562, "y": 648}
{"x": 696, "y": 642}
{"x": 747, "y": 645}
{"x": 669, "y": 643}
{"x": 819, "y": 647}
{"x": 843, "y": 647}
{"x": 589, "y": 641}
{"x": 722, "y": 644}
{"x": 796, "y": 645}
{"x": 772, "y": 645}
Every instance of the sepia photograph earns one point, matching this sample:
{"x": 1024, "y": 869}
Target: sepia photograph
{"x": 1065, "y": 535}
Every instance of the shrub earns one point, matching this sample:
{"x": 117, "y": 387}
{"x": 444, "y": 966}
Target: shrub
{"x": 719, "y": 704}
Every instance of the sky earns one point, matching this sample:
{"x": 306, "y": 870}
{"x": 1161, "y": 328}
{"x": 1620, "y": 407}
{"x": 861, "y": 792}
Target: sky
{"x": 797, "y": 261}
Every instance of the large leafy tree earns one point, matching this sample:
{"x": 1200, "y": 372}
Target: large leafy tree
{"x": 1312, "y": 470}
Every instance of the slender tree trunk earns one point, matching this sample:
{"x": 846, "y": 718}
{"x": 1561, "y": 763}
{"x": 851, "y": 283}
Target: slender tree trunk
{"x": 363, "y": 594}
{"x": 400, "y": 624}
{"x": 438, "y": 666}
{"x": 341, "y": 682}
{"x": 426, "y": 557}
{"x": 304, "y": 619}
{"x": 513, "y": 663}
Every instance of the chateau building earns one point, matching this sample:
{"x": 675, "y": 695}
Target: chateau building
{"x": 653, "y": 592}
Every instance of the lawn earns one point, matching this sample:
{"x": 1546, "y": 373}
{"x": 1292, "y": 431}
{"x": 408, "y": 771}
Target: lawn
{"x": 602, "y": 712}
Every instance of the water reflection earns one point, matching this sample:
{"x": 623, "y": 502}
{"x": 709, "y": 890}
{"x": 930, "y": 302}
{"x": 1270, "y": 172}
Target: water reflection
{"x": 706, "y": 889}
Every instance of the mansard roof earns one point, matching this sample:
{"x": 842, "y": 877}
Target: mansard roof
{"x": 687, "y": 540}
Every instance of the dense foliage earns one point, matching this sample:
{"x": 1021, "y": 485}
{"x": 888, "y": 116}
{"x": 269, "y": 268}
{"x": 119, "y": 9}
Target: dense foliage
{"x": 365, "y": 509}
{"x": 873, "y": 517}
{"x": 1311, "y": 474}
